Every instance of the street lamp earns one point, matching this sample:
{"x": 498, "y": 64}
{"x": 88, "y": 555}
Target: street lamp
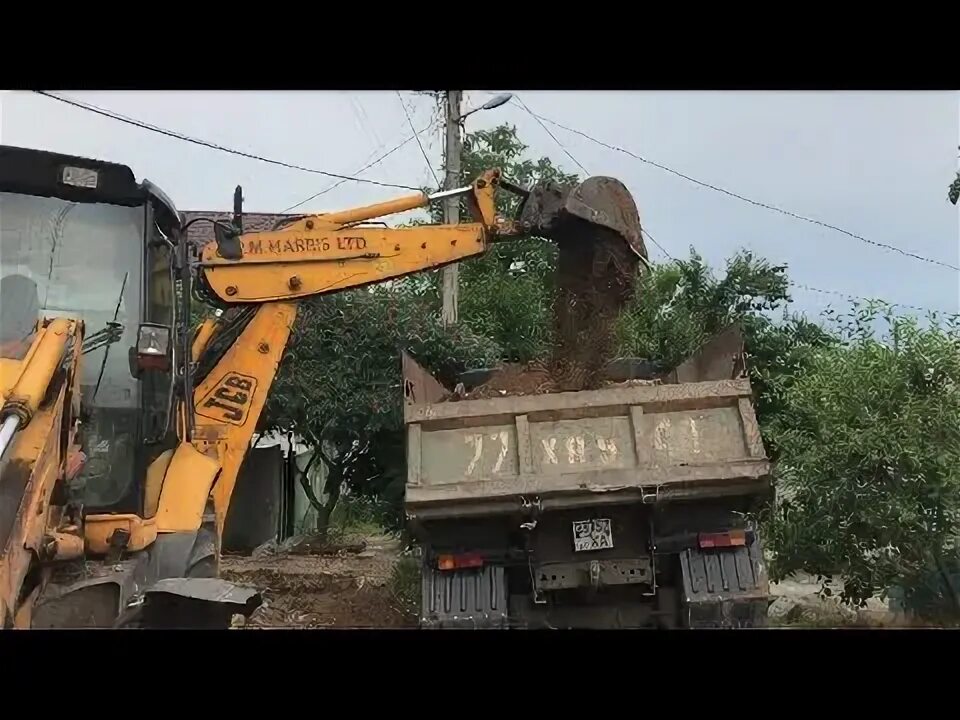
{"x": 494, "y": 102}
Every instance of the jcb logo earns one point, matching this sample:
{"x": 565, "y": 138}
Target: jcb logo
{"x": 229, "y": 401}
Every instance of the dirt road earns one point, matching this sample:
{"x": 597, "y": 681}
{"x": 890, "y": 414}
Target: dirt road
{"x": 359, "y": 586}
{"x": 345, "y": 589}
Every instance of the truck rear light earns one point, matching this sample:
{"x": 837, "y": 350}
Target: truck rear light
{"x": 459, "y": 562}
{"x": 731, "y": 538}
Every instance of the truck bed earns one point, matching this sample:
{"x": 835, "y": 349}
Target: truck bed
{"x": 657, "y": 442}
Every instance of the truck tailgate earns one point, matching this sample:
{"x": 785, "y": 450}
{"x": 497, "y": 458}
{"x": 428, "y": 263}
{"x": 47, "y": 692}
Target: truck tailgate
{"x": 568, "y": 449}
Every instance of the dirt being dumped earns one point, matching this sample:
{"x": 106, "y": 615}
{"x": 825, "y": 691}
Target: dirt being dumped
{"x": 595, "y": 279}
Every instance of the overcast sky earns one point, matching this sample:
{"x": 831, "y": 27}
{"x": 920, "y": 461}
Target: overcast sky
{"x": 877, "y": 164}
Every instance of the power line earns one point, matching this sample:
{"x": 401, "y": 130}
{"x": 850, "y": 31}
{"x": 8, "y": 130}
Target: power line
{"x": 366, "y": 167}
{"x": 541, "y": 119}
{"x": 537, "y": 118}
{"x": 844, "y": 295}
{"x": 213, "y": 146}
{"x": 654, "y": 241}
{"x": 416, "y": 135}
{"x": 580, "y": 165}
{"x": 848, "y": 296}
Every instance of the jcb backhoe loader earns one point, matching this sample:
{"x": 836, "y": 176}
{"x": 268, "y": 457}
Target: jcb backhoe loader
{"x": 122, "y": 429}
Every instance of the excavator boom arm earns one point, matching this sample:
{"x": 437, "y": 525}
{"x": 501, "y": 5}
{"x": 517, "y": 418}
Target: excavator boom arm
{"x": 327, "y": 253}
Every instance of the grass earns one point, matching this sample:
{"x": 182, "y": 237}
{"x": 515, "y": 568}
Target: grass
{"x": 404, "y": 584}
{"x": 356, "y": 516}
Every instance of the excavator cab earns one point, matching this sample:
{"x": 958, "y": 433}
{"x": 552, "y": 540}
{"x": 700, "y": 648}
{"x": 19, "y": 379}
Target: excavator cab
{"x": 82, "y": 239}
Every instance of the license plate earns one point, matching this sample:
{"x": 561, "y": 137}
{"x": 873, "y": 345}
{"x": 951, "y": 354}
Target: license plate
{"x": 594, "y": 534}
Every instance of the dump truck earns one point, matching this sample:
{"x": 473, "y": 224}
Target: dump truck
{"x": 623, "y": 506}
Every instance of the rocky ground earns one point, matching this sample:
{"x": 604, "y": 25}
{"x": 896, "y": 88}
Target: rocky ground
{"x": 345, "y": 585}
{"x": 360, "y": 582}
{"x": 798, "y": 603}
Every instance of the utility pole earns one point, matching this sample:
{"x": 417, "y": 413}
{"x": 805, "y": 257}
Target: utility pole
{"x": 451, "y": 209}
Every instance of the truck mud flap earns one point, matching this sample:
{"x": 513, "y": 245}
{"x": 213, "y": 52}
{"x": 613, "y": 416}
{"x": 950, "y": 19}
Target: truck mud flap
{"x": 726, "y": 588}
{"x": 468, "y": 599}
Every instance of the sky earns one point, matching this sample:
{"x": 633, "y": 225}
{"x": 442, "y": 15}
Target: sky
{"x": 876, "y": 164}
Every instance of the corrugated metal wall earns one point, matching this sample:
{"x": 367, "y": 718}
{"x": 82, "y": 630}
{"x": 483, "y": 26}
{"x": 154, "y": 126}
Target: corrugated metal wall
{"x": 305, "y": 516}
{"x": 254, "y": 512}
{"x": 269, "y": 502}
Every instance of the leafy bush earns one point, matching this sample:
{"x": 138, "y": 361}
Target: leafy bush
{"x": 869, "y": 436}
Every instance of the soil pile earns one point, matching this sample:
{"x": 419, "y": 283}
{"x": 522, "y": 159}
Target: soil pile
{"x": 311, "y": 600}
{"x": 318, "y": 589}
{"x": 531, "y": 379}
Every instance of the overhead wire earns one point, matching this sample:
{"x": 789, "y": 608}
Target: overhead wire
{"x": 213, "y": 146}
{"x": 417, "y": 136}
{"x": 580, "y": 165}
{"x": 791, "y": 282}
{"x": 541, "y": 119}
{"x": 850, "y": 297}
{"x": 547, "y": 130}
{"x": 366, "y": 167}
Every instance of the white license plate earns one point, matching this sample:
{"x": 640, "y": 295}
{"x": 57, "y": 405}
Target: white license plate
{"x": 594, "y": 534}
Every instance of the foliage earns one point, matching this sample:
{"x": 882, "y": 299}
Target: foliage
{"x": 680, "y": 305}
{"x": 507, "y": 294}
{"x": 953, "y": 193}
{"x": 869, "y": 474}
{"x": 339, "y": 383}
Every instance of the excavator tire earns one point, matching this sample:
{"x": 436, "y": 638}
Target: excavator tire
{"x": 204, "y": 559}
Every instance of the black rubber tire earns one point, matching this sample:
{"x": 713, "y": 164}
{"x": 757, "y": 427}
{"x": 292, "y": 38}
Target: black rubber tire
{"x": 204, "y": 559}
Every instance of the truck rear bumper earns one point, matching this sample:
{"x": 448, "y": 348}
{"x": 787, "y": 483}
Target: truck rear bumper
{"x": 557, "y": 492}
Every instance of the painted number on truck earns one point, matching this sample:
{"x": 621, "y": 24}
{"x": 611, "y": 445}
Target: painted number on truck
{"x": 574, "y": 450}
{"x": 229, "y": 401}
{"x": 500, "y": 445}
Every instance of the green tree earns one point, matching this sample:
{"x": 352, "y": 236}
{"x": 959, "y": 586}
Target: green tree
{"x": 339, "y": 383}
{"x": 869, "y": 470}
{"x": 507, "y": 295}
{"x": 681, "y": 304}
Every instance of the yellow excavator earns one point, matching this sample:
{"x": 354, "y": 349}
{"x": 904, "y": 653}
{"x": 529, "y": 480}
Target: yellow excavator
{"x": 123, "y": 427}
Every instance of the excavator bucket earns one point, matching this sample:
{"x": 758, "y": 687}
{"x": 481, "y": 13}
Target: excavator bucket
{"x": 596, "y": 228}
{"x": 566, "y": 214}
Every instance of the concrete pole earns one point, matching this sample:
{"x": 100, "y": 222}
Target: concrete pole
{"x": 451, "y": 209}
